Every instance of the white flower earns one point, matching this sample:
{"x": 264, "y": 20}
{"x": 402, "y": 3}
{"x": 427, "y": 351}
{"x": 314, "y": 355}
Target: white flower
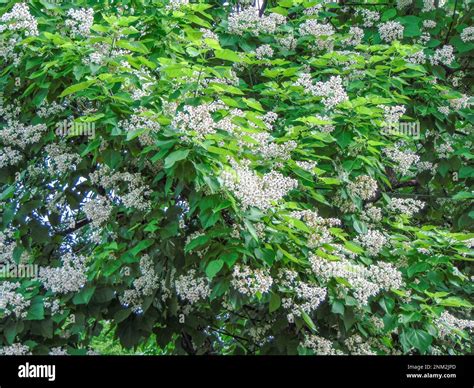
{"x": 392, "y": 114}
{"x": 369, "y": 17}
{"x": 363, "y": 186}
{"x": 264, "y": 51}
{"x": 444, "y": 55}
{"x": 390, "y": 31}
{"x": 403, "y": 3}
{"x": 405, "y": 206}
{"x": 250, "y": 281}
{"x": 373, "y": 241}
{"x": 98, "y": 210}
{"x": 429, "y": 23}
{"x": 356, "y": 35}
{"x": 320, "y": 345}
{"x": 332, "y": 91}
{"x": 448, "y": 323}
{"x": 192, "y": 288}
{"x": 403, "y": 160}
{"x": 249, "y": 20}
{"x": 15, "y": 350}
{"x": 70, "y": 277}
{"x": 429, "y": 5}
{"x": 143, "y": 286}
{"x": 467, "y": 35}
{"x": 255, "y": 190}
{"x": 19, "y": 18}
{"x": 312, "y": 27}
{"x": 365, "y": 282}
{"x": 80, "y": 21}
{"x": 11, "y": 301}
{"x": 175, "y": 5}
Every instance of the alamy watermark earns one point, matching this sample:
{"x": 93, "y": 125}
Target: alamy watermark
{"x": 411, "y": 129}
{"x": 19, "y": 271}
{"x": 74, "y": 128}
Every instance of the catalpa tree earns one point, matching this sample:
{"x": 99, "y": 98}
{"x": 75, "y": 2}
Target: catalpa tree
{"x": 279, "y": 177}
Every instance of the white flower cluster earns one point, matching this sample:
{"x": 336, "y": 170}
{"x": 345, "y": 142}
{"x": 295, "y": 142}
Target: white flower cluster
{"x": 447, "y": 323}
{"x": 19, "y": 18}
{"x": 208, "y": 34}
{"x": 403, "y": 3}
{"x": 15, "y": 350}
{"x": 143, "y": 286}
{"x": 60, "y": 160}
{"x": 403, "y": 160}
{"x": 356, "y": 34}
{"x": 332, "y": 91}
{"x": 15, "y": 133}
{"x": 371, "y": 214}
{"x": 192, "y": 288}
{"x": 392, "y": 114}
{"x": 80, "y": 21}
{"x": 363, "y": 186}
{"x": 417, "y": 58}
{"x": 390, "y": 31}
{"x": 12, "y": 302}
{"x": 260, "y": 334}
{"x": 7, "y": 246}
{"x": 142, "y": 120}
{"x": 70, "y": 277}
{"x": 46, "y": 110}
{"x": 444, "y": 110}
{"x": 373, "y": 241}
{"x": 444, "y": 150}
{"x": 249, "y": 20}
{"x": 9, "y": 157}
{"x": 58, "y": 351}
{"x": 460, "y": 103}
{"x": 429, "y": 24}
{"x": 136, "y": 193}
{"x": 314, "y": 9}
{"x": 319, "y": 226}
{"x": 443, "y": 55}
{"x": 369, "y": 17}
{"x": 321, "y": 346}
{"x": 307, "y": 165}
{"x": 357, "y": 346}
{"x": 263, "y": 145}
{"x": 250, "y": 281}
{"x": 288, "y": 42}
{"x": 429, "y": 5}
{"x": 405, "y": 206}
{"x": 197, "y": 119}
{"x": 255, "y": 190}
{"x": 264, "y": 51}
{"x": 467, "y": 35}
{"x": 312, "y": 27}
{"x": 98, "y": 210}
{"x": 175, "y": 5}
{"x": 307, "y": 298}
{"x": 365, "y": 282}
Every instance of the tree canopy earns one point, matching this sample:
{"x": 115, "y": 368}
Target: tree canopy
{"x": 286, "y": 177}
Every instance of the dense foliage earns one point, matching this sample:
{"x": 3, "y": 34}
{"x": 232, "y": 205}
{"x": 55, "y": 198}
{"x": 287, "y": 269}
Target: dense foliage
{"x": 223, "y": 178}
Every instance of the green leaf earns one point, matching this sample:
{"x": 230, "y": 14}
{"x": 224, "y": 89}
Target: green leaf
{"x": 36, "y": 310}
{"x": 84, "y": 296}
{"x": 214, "y": 267}
{"x": 309, "y": 322}
{"x": 275, "y": 302}
{"x": 77, "y": 87}
{"x": 454, "y": 301}
{"x": 228, "y": 55}
{"x": 419, "y": 339}
{"x": 175, "y": 156}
